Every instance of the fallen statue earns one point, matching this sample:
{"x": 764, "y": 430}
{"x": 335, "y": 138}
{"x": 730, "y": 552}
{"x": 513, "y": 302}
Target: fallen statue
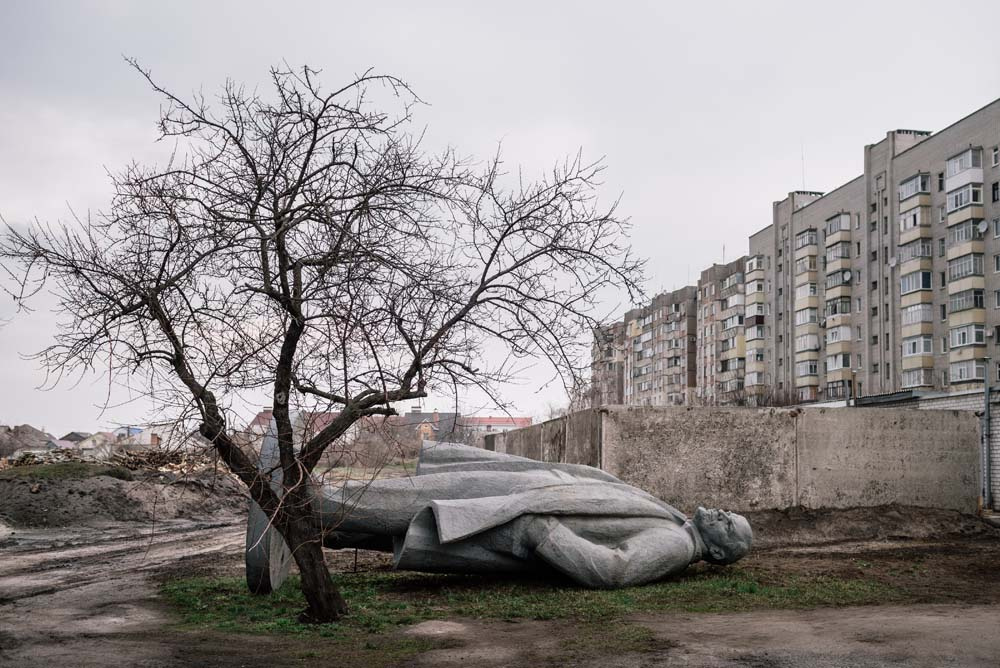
{"x": 469, "y": 510}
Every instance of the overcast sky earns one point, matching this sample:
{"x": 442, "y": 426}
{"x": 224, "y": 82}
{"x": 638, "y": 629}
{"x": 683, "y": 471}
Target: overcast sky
{"x": 703, "y": 110}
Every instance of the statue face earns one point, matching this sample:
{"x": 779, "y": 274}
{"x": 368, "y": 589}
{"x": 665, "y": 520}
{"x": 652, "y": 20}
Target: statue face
{"x": 727, "y": 536}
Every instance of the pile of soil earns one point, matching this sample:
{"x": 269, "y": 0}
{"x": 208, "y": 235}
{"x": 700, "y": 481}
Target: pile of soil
{"x": 92, "y": 495}
{"x": 807, "y": 526}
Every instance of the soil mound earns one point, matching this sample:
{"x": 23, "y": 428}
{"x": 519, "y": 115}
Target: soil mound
{"x": 807, "y": 526}
{"x": 75, "y": 494}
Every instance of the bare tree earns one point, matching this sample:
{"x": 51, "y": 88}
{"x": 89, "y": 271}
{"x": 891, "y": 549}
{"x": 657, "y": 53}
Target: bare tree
{"x": 306, "y": 245}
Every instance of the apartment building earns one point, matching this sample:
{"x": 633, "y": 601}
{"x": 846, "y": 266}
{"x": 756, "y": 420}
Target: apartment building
{"x": 720, "y": 350}
{"x": 889, "y": 282}
{"x": 659, "y": 350}
{"x": 608, "y": 365}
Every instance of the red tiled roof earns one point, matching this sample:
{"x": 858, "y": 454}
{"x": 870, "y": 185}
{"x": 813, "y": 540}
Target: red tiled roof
{"x": 503, "y": 421}
{"x": 262, "y": 419}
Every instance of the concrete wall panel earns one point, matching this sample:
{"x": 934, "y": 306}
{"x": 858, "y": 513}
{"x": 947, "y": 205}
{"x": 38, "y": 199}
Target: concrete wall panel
{"x": 715, "y": 457}
{"x": 872, "y": 457}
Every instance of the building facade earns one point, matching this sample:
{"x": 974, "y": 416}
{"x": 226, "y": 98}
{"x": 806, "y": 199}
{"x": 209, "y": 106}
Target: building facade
{"x": 889, "y": 282}
{"x": 720, "y": 348}
{"x": 659, "y": 350}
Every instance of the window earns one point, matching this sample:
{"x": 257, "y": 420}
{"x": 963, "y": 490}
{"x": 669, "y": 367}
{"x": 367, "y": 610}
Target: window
{"x": 940, "y": 181}
{"x": 996, "y": 191}
{"x": 915, "y": 249}
{"x": 807, "y": 263}
{"x": 965, "y": 196}
{"x": 806, "y": 342}
{"x": 996, "y": 156}
{"x": 838, "y": 306}
{"x": 967, "y": 265}
{"x": 996, "y": 263}
{"x": 835, "y": 334}
{"x": 944, "y": 311}
{"x": 913, "y": 185}
{"x": 838, "y": 362}
{"x": 963, "y": 372}
{"x": 918, "y": 345}
{"x": 732, "y": 321}
{"x": 755, "y": 286}
{"x": 805, "y": 238}
{"x": 756, "y": 332}
{"x": 805, "y": 316}
{"x": 842, "y": 221}
{"x": 941, "y": 247}
{"x": 805, "y": 290}
{"x": 917, "y": 280}
{"x": 963, "y": 232}
{"x": 838, "y": 278}
{"x": 917, "y": 313}
{"x": 967, "y": 335}
{"x": 917, "y": 377}
{"x": 806, "y": 368}
{"x": 754, "y": 263}
{"x": 838, "y": 251}
{"x": 912, "y": 218}
{"x": 967, "y": 159}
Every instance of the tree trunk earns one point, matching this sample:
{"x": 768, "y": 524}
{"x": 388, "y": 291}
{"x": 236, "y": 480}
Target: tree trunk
{"x": 325, "y": 604}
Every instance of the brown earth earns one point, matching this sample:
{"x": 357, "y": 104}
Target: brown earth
{"x": 29, "y": 497}
{"x": 80, "y": 597}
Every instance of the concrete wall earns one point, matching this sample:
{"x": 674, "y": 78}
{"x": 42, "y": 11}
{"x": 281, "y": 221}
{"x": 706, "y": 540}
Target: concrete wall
{"x": 973, "y": 401}
{"x": 893, "y": 455}
{"x": 749, "y": 459}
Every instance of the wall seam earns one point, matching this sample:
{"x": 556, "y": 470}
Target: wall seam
{"x": 795, "y": 448}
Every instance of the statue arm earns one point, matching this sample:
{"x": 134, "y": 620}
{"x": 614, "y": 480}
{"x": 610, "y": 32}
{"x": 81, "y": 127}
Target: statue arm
{"x": 639, "y": 558}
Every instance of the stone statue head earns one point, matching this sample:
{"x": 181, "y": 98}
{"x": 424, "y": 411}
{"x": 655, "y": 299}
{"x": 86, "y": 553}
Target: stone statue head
{"x": 727, "y": 536}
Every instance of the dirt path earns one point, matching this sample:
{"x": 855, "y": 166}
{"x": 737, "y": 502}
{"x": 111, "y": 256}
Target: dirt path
{"x": 928, "y": 636}
{"x": 86, "y": 597}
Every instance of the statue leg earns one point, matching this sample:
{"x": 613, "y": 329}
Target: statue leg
{"x": 268, "y": 558}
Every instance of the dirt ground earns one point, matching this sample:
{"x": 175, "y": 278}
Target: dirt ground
{"x": 88, "y": 597}
{"x": 29, "y": 500}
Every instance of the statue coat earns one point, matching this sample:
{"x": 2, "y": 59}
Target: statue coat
{"x": 469, "y": 510}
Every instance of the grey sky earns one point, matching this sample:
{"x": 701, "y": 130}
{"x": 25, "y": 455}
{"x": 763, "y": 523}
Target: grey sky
{"x": 702, "y": 110}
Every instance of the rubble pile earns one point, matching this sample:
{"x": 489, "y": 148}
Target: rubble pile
{"x": 163, "y": 461}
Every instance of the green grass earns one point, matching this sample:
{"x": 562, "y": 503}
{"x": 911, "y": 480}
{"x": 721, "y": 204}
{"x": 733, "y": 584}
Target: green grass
{"x": 65, "y": 471}
{"x": 384, "y": 600}
{"x": 381, "y": 602}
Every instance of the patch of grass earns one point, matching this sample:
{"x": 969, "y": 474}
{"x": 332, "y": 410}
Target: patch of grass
{"x": 381, "y": 602}
{"x": 384, "y": 600}
{"x": 65, "y": 471}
